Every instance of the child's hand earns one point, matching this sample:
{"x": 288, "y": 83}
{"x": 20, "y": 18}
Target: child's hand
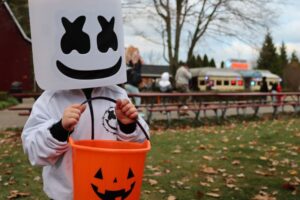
{"x": 126, "y": 112}
{"x": 72, "y": 115}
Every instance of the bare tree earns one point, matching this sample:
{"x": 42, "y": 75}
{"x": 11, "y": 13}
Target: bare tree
{"x": 189, "y": 21}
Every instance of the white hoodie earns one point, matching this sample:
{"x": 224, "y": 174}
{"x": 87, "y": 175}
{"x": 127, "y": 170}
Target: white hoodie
{"x": 56, "y": 157}
{"x": 164, "y": 83}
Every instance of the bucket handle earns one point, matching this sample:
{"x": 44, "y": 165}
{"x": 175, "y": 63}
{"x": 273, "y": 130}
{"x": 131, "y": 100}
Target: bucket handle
{"x": 114, "y": 101}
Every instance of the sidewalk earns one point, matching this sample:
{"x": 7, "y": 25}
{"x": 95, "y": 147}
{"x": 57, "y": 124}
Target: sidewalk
{"x": 11, "y": 119}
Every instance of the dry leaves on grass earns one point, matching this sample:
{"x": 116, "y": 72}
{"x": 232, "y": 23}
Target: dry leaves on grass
{"x": 13, "y": 194}
{"x": 212, "y": 194}
{"x": 209, "y": 158}
{"x": 152, "y": 182}
{"x": 171, "y": 197}
{"x": 263, "y": 173}
{"x": 263, "y": 196}
{"x": 209, "y": 170}
{"x": 10, "y": 137}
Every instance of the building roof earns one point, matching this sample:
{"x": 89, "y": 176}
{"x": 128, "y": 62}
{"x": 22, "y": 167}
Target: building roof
{"x": 16, "y": 21}
{"x": 212, "y": 71}
{"x": 250, "y": 73}
{"x": 154, "y": 71}
{"x": 268, "y": 74}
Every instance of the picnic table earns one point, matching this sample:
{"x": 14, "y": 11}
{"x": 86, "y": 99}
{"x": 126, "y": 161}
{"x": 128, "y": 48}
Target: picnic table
{"x": 219, "y": 103}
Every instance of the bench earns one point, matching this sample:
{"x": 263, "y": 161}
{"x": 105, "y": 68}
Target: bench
{"x": 21, "y": 96}
{"x": 24, "y": 113}
{"x": 26, "y": 110}
{"x": 219, "y": 103}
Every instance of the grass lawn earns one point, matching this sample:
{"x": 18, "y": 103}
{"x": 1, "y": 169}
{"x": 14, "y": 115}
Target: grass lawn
{"x": 257, "y": 160}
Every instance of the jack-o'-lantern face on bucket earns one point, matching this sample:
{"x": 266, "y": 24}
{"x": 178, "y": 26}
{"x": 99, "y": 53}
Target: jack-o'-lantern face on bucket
{"x": 77, "y": 44}
{"x": 109, "y": 194}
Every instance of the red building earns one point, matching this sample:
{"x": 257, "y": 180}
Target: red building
{"x": 15, "y": 52}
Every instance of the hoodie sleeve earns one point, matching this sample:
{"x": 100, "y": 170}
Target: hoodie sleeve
{"x": 42, "y": 148}
{"x": 137, "y": 135}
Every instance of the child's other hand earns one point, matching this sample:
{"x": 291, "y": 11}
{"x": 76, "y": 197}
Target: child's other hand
{"x": 126, "y": 112}
{"x": 71, "y": 116}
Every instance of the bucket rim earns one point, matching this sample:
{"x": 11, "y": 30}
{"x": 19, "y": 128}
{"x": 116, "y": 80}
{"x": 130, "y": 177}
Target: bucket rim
{"x": 117, "y": 150}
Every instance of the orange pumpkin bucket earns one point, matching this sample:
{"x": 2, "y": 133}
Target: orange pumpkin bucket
{"x": 108, "y": 170}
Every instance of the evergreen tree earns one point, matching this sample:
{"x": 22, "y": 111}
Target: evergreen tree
{"x": 205, "y": 61}
{"x": 294, "y": 58}
{"x": 283, "y": 58}
{"x": 199, "y": 61}
{"x": 268, "y": 58}
{"x": 212, "y": 63}
{"x": 222, "y": 64}
{"x": 195, "y": 63}
{"x": 192, "y": 63}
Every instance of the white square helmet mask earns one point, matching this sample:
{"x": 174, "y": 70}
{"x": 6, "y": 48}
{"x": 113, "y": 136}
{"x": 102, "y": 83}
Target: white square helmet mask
{"x": 77, "y": 43}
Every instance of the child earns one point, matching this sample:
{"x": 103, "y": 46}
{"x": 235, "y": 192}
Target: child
{"x": 55, "y": 115}
{"x": 83, "y": 49}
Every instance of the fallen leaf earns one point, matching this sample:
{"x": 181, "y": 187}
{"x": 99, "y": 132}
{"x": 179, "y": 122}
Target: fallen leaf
{"x": 209, "y": 158}
{"x": 263, "y": 158}
{"x": 153, "y": 182}
{"x": 293, "y": 172}
{"x": 240, "y": 175}
{"x": 16, "y": 194}
{"x": 209, "y": 170}
{"x": 204, "y": 184}
{"x": 263, "y": 196}
{"x": 171, "y": 197}
{"x": 236, "y": 162}
{"x": 211, "y": 194}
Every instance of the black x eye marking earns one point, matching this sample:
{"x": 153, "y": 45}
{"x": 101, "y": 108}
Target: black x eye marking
{"x": 74, "y": 38}
{"x": 107, "y": 38}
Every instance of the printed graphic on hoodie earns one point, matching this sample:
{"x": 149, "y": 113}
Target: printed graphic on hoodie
{"x": 109, "y": 120}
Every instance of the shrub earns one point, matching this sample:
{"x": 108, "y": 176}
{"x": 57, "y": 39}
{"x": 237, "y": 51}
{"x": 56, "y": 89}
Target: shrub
{"x": 3, "y": 96}
{"x": 9, "y": 101}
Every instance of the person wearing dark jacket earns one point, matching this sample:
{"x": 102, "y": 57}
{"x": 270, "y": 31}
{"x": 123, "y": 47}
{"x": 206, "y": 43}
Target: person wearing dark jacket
{"x": 264, "y": 88}
{"x": 264, "y": 85}
{"x": 134, "y": 79}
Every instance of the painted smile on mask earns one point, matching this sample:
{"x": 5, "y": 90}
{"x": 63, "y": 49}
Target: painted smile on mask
{"x": 88, "y": 74}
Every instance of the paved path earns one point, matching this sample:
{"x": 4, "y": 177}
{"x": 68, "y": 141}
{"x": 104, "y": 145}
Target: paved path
{"x": 11, "y": 119}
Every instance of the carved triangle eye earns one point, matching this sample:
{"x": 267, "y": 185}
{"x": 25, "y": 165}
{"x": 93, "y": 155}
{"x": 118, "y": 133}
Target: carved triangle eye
{"x": 74, "y": 38}
{"x": 107, "y": 38}
{"x": 99, "y": 174}
{"x": 115, "y": 180}
{"x": 130, "y": 174}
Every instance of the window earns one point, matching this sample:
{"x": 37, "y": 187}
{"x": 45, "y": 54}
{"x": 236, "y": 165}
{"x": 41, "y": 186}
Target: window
{"x": 233, "y": 82}
{"x": 226, "y": 82}
{"x": 202, "y": 82}
{"x": 219, "y": 82}
{"x": 240, "y": 83}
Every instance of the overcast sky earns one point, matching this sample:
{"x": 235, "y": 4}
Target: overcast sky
{"x": 287, "y": 29}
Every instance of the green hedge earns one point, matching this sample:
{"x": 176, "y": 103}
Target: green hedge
{"x": 6, "y": 100}
{"x": 3, "y": 96}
